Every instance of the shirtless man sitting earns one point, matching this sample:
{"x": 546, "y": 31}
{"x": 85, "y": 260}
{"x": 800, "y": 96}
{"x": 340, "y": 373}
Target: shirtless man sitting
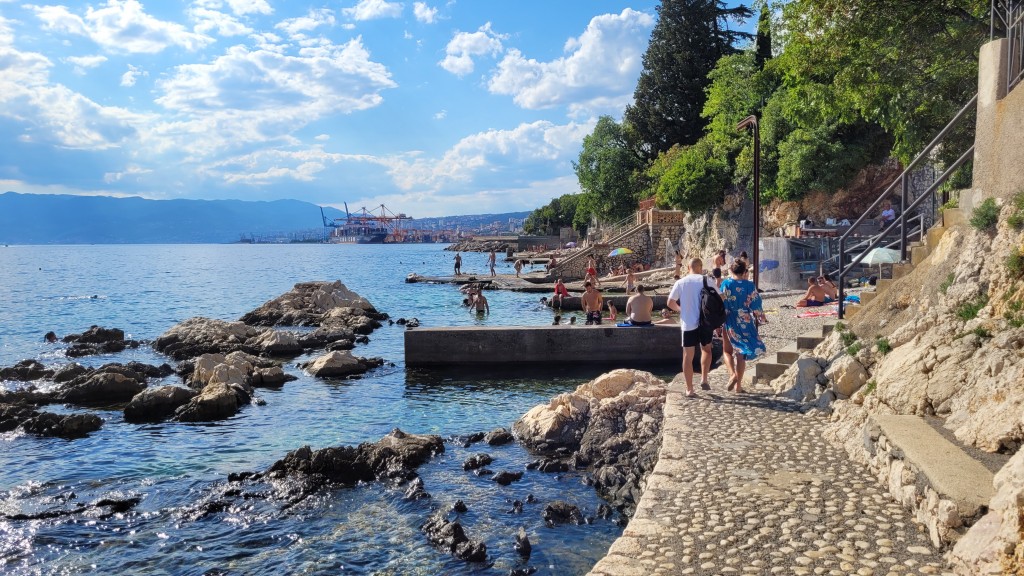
{"x": 815, "y": 295}
{"x": 639, "y": 307}
{"x": 592, "y": 304}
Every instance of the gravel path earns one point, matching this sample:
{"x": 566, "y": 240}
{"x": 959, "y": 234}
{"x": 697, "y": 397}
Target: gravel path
{"x": 746, "y": 485}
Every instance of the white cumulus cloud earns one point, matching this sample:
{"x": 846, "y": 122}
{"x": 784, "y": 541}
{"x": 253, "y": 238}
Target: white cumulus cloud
{"x": 373, "y": 9}
{"x": 464, "y": 46}
{"x": 597, "y": 73}
{"x": 129, "y": 78}
{"x": 243, "y": 7}
{"x": 295, "y": 27}
{"x": 424, "y": 13}
{"x": 529, "y": 143}
{"x": 121, "y": 26}
{"x": 271, "y": 165}
{"x": 83, "y": 63}
{"x": 208, "y": 20}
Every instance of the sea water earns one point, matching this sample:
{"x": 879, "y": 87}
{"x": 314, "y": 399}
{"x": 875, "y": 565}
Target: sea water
{"x": 146, "y": 289}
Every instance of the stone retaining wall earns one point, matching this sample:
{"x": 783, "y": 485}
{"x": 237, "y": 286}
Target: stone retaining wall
{"x": 910, "y": 488}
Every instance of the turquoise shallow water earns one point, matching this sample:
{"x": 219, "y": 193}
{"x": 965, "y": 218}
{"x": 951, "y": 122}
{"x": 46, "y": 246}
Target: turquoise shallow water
{"x": 368, "y": 529}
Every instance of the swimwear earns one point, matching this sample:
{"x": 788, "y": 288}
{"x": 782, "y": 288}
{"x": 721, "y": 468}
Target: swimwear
{"x": 813, "y": 303}
{"x": 593, "y": 318}
{"x": 592, "y": 271}
{"x": 638, "y": 323}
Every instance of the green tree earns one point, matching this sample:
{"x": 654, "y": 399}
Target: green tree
{"x": 763, "y": 39}
{"x": 696, "y": 180}
{"x": 686, "y": 43}
{"x": 548, "y": 220}
{"x": 610, "y": 172}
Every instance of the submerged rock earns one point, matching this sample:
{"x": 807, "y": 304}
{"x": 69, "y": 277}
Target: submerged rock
{"x": 450, "y": 536}
{"x": 476, "y": 461}
{"x": 612, "y": 427}
{"x": 101, "y": 388}
{"x": 155, "y": 404}
{"x": 505, "y": 477}
{"x": 559, "y": 512}
{"x": 13, "y": 417}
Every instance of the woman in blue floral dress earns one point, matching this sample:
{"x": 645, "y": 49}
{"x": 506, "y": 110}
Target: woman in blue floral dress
{"x": 743, "y": 308}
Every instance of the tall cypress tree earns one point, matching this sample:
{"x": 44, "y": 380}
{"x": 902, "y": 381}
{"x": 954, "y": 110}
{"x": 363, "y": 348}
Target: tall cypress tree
{"x": 763, "y": 43}
{"x": 686, "y": 43}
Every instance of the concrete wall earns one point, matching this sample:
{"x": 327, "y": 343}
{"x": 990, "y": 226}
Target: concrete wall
{"x": 543, "y": 345}
{"x": 999, "y": 137}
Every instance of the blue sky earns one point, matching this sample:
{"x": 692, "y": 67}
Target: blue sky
{"x": 433, "y": 108}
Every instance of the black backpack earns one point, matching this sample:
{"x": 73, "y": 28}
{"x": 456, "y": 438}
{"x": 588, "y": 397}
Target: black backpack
{"x": 712, "y": 307}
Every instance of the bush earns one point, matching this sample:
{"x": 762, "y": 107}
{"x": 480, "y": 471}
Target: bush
{"x": 883, "y": 346}
{"x": 696, "y": 180}
{"x": 981, "y": 332}
{"x": 946, "y": 283}
{"x": 852, "y": 349}
{"x": 1015, "y": 263}
{"x": 950, "y": 204}
{"x": 1016, "y": 219}
{"x": 985, "y": 215}
{"x": 969, "y": 310}
{"x": 870, "y": 387}
{"x": 848, "y": 338}
{"x": 840, "y": 327}
{"x": 1015, "y": 314}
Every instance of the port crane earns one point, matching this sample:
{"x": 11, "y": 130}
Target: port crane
{"x": 379, "y": 218}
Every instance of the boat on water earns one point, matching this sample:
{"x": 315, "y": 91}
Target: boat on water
{"x": 364, "y": 226}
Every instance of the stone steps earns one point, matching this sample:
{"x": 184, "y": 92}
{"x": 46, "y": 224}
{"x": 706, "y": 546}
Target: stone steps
{"x": 774, "y": 364}
{"x": 946, "y": 488}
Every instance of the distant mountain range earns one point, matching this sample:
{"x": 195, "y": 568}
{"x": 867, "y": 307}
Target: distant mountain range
{"x": 68, "y": 219}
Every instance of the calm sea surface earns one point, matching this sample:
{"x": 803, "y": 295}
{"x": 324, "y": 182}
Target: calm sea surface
{"x": 145, "y": 290}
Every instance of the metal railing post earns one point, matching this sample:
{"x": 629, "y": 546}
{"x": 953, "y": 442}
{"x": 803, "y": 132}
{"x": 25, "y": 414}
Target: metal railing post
{"x": 903, "y": 216}
{"x": 842, "y": 278}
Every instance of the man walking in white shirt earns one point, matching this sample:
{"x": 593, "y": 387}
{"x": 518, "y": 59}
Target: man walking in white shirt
{"x": 685, "y": 299}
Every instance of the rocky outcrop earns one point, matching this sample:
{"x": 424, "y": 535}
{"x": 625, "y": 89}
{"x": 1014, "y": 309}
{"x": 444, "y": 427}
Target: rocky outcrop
{"x": 216, "y": 401}
{"x": 322, "y": 304}
{"x": 995, "y": 545}
{"x": 559, "y": 512}
{"x": 471, "y": 245}
{"x": 340, "y": 364}
{"x": 393, "y": 456}
{"x": 611, "y": 426}
{"x": 450, "y": 537}
{"x": 197, "y": 336}
{"x": 156, "y": 404}
{"x": 98, "y": 340}
{"x": 25, "y": 371}
{"x": 14, "y": 416}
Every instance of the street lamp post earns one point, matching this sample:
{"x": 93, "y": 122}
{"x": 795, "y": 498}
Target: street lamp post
{"x": 751, "y": 122}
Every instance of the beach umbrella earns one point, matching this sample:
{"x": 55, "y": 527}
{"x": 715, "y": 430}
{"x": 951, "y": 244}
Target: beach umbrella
{"x": 620, "y": 252}
{"x": 880, "y": 256}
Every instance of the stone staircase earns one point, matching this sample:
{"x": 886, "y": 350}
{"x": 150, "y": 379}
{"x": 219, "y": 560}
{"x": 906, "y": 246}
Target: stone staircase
{"x": 575, "y": 262}
{"x": 773, "y": 365}
{"x": 918, "y": 252}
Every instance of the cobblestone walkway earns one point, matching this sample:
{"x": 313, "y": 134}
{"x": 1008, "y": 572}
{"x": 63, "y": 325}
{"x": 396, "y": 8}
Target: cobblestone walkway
{"x": 746, "y": 485}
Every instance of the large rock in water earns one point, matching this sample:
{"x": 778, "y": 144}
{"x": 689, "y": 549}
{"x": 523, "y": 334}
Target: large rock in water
{"x": 216, "y": 401}
{"x": 25, "y": 371}
{"x": 13, "y": 417}
{"x": 393, "y": 455}
{"x": 325, "y": 304}
{"x": 98, "y": 340}
{"x": 450, "y": 536}
{"x": 612, "y": 423}
{"x": 197, "y": 336}
{"x": 155, "y": 404}
{"x": 339, "y": 364}
{"x": 101, "y": 388}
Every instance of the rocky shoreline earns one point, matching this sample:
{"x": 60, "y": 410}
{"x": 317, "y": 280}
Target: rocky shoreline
{"x": 219, "y": 363}
{"x": 471, "y": 245}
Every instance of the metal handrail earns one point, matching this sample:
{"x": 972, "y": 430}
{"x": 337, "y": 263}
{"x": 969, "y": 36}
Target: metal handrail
{"x": 917, "y": 231}
{"x": 901, "y": 221}
{"x": 1009, "y": 14}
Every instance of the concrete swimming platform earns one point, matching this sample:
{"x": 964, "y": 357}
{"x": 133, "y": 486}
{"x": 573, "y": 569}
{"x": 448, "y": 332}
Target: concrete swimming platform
{"x": 538, "y": 345}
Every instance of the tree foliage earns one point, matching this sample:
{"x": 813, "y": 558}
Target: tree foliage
{"x": 610, "y": 171}
{"x": 695, "y": 179}
{"x": 686, "y": 43}
{"x": 559, "y": 213}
